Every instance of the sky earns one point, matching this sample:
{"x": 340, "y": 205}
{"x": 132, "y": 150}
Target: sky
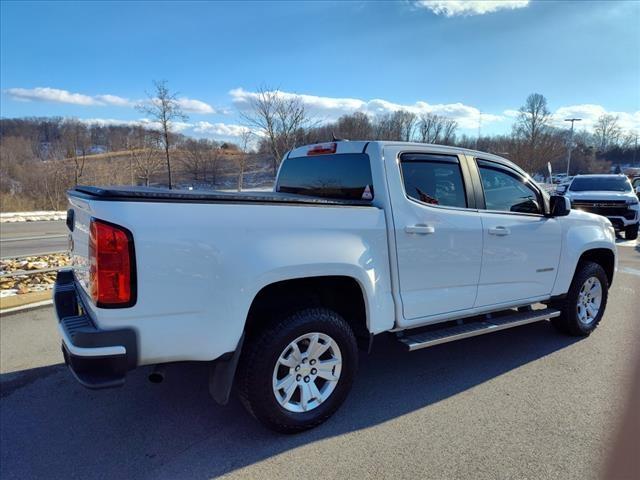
{"x": 473, "y": 61}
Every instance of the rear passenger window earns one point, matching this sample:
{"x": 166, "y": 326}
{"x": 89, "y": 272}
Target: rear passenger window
{"x": 340, "y": 176}
{"x": 505, "y": 192}
{"x": 433, "y": 179}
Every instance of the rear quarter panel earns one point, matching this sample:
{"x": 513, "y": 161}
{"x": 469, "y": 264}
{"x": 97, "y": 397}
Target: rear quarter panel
{"x": 199, "y": 267}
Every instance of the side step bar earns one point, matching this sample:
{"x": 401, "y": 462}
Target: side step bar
{"x": 417, "y": 341}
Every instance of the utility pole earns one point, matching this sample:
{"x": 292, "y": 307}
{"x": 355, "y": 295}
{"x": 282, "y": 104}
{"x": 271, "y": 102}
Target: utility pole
{"x": 570, "y": 144}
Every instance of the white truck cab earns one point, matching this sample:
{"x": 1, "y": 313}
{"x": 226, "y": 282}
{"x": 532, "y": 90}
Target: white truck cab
{"x": 279, "y": 289}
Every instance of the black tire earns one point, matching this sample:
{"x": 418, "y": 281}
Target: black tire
{"x": 631, "y": 233}
{"x": 261, "y": 353}
{"x": 568, "y": 321}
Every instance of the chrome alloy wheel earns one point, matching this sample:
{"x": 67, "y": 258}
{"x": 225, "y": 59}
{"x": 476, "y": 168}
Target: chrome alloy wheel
{"x": 589, "y": 300}
{"x": 307, "y": 372}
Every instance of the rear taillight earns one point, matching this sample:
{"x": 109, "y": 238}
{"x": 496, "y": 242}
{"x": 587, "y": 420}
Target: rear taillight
{"x": 111, "y": 274}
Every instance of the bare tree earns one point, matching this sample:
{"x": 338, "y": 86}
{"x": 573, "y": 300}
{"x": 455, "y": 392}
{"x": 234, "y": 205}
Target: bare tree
{"x": 212, "y": 158}
{"x": 281, "y": 118}
{"x": 606, "y": 131}
{"x": 449, "y": 131}
{"x": 193, "y": 158}
{"x": 163, "y": 108}
{"x": 434, "y": 128}
{"x": 144, "y": 155}
{"x": 407, "y": 122}
{"x": 55, "y": 181}
{"x": 77, "y": 142}
{"x": 245, "y": 136}
{"x": 537, "y": 142}
{"x": 534, "y": 118}
{"x": 356, "y": 126}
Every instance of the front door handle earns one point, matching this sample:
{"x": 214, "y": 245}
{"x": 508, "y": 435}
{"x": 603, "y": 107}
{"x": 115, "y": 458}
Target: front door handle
{"x": 420, "y": 229}
{"x": 499, "y": 231}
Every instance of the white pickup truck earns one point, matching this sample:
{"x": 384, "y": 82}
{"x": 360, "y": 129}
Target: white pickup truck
{"x": 611, "y": 196}
{"x": 278, "y": 290}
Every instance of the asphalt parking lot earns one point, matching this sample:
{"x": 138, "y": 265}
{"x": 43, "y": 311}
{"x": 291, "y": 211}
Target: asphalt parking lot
{"x": 523, "y": 403}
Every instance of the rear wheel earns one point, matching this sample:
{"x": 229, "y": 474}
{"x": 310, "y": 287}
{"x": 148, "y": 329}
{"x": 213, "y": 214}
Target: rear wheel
{"x": 631, "y": 233}
{"x": 296, "y": 373}
{"x": 584, "y": 305}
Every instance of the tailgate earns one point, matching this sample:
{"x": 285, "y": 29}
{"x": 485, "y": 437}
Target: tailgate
{"x": 78, "y": 221}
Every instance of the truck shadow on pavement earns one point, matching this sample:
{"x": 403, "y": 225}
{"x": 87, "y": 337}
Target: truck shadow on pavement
{"x": 51, "y": 427}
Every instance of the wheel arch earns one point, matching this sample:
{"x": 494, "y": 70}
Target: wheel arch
{"x": 341, "y": 293}
{"x": 604, "y": 257}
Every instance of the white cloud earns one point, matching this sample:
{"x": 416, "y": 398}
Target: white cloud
{"x": 452, "y": 8}
{"x": 106, "y": 122}
{"x": 190, "y": 105}
{"x": 114, "y": 100}
{"x": 142, "y": 122}
{"x": 177, "y": 127}
{"x": 589, "y": 113}
{"x": 219, "y": 129}
{"x": 202, "y": 128}
{"x": 45, "y": 94}
{"x": 330, "y": 108}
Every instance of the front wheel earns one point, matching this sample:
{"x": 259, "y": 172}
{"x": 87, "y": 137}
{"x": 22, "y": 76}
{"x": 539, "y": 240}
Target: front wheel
{"x": 296, "y": 373}
{"x": 631, "y": 232}
{"x": 584, "y": 305}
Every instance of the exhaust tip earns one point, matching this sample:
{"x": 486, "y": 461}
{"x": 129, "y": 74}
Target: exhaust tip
{"x": 157, "y": 375}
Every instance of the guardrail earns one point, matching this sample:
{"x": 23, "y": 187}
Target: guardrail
{"x": 18, "y": 273}
{"x": 11, "y": 217}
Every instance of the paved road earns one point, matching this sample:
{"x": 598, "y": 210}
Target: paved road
{"x": 31, "y": 238}
{"x": 523, "y": 403}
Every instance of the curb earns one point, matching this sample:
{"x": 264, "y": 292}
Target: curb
{"x": 17, "y": 301}
{"x": 29, "y": 306}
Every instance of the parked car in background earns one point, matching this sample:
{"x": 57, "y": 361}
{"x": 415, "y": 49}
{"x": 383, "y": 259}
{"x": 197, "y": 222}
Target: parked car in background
{"x": 635, "y": 183}
{"x": 611, "y": 196}
{"x": 559, "y": 178}
{"x": 428, "y": 243}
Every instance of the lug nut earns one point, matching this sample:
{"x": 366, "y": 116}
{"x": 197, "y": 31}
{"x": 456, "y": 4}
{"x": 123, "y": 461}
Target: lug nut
{"x": 297, "y": 368}
{"x": 298, "y": 377}
{"x": 313, "y": 371}
{"x": 312, "y": 362}
{"x": 304, "y": 360}
{"x": 306, "y": 379}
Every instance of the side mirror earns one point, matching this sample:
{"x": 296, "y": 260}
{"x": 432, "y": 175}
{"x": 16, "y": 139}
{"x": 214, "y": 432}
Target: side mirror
{"x": 560, "y": 206}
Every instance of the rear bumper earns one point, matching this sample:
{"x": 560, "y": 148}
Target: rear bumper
{"x": 97, "y": 358}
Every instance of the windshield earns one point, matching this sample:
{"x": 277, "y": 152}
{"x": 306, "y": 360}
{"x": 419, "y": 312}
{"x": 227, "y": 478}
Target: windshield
{"x": 610, "y": 184}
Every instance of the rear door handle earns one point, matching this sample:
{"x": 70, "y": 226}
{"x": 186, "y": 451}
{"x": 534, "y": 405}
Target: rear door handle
{"x": 420, "y": 229}
{"x": 499, "y": 231}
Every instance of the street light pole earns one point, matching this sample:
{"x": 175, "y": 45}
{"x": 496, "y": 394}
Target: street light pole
{"x": 570, "y": 145}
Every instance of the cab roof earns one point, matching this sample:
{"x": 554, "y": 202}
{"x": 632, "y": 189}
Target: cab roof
{"x": 363, "y": 146}
{"x": 600, "y": 175}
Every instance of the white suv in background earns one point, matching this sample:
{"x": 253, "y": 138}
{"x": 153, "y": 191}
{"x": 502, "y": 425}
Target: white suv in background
{"x": 611, "y": 196}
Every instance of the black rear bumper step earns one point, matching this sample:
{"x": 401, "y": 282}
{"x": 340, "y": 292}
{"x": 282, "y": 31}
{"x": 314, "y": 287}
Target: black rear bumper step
{"x": 94, "y": 370}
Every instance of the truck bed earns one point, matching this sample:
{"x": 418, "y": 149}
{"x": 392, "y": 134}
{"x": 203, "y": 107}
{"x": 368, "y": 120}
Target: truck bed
{"x": 150, "y": 194}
